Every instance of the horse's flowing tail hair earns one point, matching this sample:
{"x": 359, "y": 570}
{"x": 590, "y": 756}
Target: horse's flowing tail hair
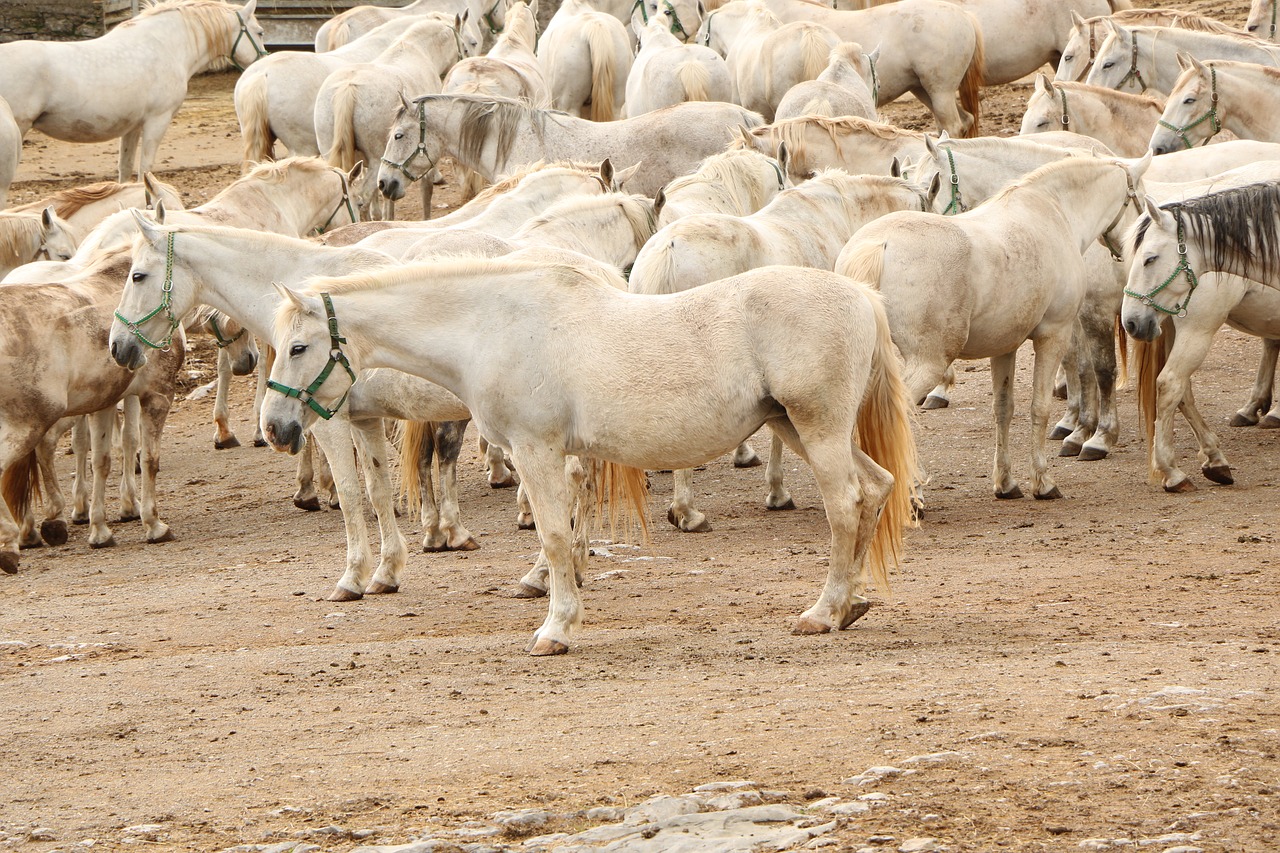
{"x": 695, "y": 79}
{"x": 974, "y": 76}
{"x": 600, "y": 46}
{"x": 414, "y": 436}
{"x": 655, "y": 270}
{"x": 1151, "y": 357}
{"x": 625, "y": 490}
{"x": 20, "y": 485}
{"x": 1122, "y": 346}
{"x": 815, "y": 53}
{"x": 339, "y": 34}
{"x": 342, "y": 151}
{"x": 884, "y": 434}
{"x": 255, "y": 123}
{"x": 865, "y": 264}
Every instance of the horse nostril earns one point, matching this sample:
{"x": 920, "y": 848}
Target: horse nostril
{"x": 1131, "y": 327}
{"x": 382, "y": 185}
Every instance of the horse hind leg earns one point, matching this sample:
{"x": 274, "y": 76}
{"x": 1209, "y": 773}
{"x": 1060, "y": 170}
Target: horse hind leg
{"x": 448, "y": 447}
{"x": 223, "y": 436}
{"x": 153, "y": 411}
{"x": 1256, "y": 411}
{"x": 496, "y": 464}
{"x": 745, "y": 456}
{"x": 778, "y": 498}
{"x": 53, "y": 529}
{"x": 1072, "y": 372}
{"x": 129, "y": 434}
{"x": 1101, "y": 340}
{"x": 129, "y": 155}
{"x": 681, "y": 513}
{"x": 101, "y": 425}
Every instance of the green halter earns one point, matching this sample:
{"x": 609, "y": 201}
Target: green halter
{"x": 1184, "y": 269}
{"x": 344, "y": 202}
{"x": 421, "y": 151}
{"x": 166, "y": 305}
{"x": 224, "y": 341}
{"x": 244, "y": 33}
{"x": 336, "y": 356}
{"x": 494, "y": 29}
{"x": 676, "y": 25}
{"x": 957, "y": 204}
{"x": 1211, "y": 116}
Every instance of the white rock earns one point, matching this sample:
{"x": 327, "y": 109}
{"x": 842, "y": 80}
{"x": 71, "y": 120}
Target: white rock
{"x": 874, "y": 797}
{"x": 661, "y": 808}
{"x": 1094, "y": 844}
{"x": 144, "y": 831}
{"x": 850, "y": 808}
{"x": 521, "y": 819}
{"x": 824, "y": 804}
{"x": 1184, "y": 848}
{"x": 872, "y": 775}
{"x": 720, "y": 787}
{"x": 933, "y": 758}
{"x": 919, "y": 845}
{"x": 738, "y": 800}
{"x": 1170, "y": 838}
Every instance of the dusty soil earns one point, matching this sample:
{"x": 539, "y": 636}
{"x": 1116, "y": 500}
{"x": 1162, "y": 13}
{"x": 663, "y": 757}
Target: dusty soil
{"x": 206, "y": 685}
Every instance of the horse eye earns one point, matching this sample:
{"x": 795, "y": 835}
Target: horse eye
{"x": 667, "y": 13}
{"x": 138, "y": 276}
{"x": 1044, "y": 123}
{"x": 64, "y": 256}
{"x": 1070, "y": 57}
{"x": 1149, "y": 261}
{"x": 297, "y": 349}
{"x": 1189, "y": 101}
{"x": 399, "y": 135}
{"x": 1108, "y": 65}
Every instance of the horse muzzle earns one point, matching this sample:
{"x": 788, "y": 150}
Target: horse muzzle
{"x": 1142, "y": 328}
{"x": 391, "y": 187}
{"x": 128, "y": 354}
{"x": 245, "y": 364}
{"x": 285, "y": 437}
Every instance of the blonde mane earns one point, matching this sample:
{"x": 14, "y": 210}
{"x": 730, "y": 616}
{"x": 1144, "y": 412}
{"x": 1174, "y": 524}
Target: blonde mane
{"x": 794, "y": 132}
{"x": 732, "y": 171}
{"x": 637, "y": 209}
{"x": 68, "y": 202}
{"x": 207, "y": 23}
{"x": 1173, "y": 18}
{"x": 509, "y": 183}
{"x": 20, "y": 236}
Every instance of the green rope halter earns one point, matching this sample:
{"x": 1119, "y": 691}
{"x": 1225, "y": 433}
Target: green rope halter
{"x": 675, "y": 21}
{"x": 344, "y": 202}
{"x": 494, "y": 29}
{"x": 1065, "y": 119}
{"x": 166, "y": 305}
{"x": 336, "y": 356}
{"x": 957, "y": 204}
{"x": 421, "y": 151}
{"x": 1184, "y": 269}
{"x": 1134, "y": 73}
{"x": 244, "y": 33}
{"x": 222, "y": 340}
{"x": 875, "y": 80}
{"x": 1211, "y": 116}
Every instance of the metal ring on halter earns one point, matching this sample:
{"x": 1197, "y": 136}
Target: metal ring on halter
{"x": 1134, "y": 73}
{"x": 306, "y": 396}
{"x": 1065, "y": 119}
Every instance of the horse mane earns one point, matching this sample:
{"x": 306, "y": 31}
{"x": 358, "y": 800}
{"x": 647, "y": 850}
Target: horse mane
{"x": 512, "y": 35}
{"x": 1233, "y": 35}
{"x": 1235, "y": 227}
{"x": 1171, "y": 18}
{"x": 826, "y": 182}
{"x": 20, "y": 235}
{"x": 509, "y": 183}
{"x": 485, "y": 115}
{"x": 726, "y": 171}
{"x": 206, "y": 17}
{"x": 1129, "y": 98}
{"x": 69, "y": 201}
{"x": 637, "y": 209}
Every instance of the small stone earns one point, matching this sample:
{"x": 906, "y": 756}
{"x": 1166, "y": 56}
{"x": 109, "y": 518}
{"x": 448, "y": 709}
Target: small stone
{"x": 814, "y": 794}
{"x": 521, "y": 820}
{"x": 919, "y": 845}
{"x": 933, "y": 758}
{"x": 738, "y": 800}
{"x": 721, "y": 787}
{"x": 604, "y": 813}
{"x": 872, "y": 775}
{"x": 824, "y": 804}
{"x": 850, "y": 808}
{"x": 42, "y": 833}
{"x": 874, "y": 797}
{"x": 881, "y": 839}
{"x": 1170, "y": 838}
{"x": 144, "y": 831}
{"x": 1184, "y": 848}
{"x": 1094, "y": 844}
{"x": 821, "y": 842}
{"x": 932, "y": 818}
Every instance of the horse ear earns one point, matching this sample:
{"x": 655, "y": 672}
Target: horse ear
{"x": 47, "y": 218}
{"x": 404, "y": 102}
{"x": 247, "y": 10}
{"x": 935, "y": 187}
{"x": 659, "y": 201}
{"x": 784, "y": 158}
{"x": 874, "y": 55}
{"x": 1042, "y": 82}
{"x": 147, "y": 226}
{"x": 606, "y": 172}
{"x": 356, "y": 173}
{"x": 931, "y": 145}
{"x": 1138, "y": 168}
{"x": 158, "y": 212}
{"x": 1078, "y": 20}
{"x": 1198, "y": 65}
{"x": 286, "y": 293}
{"x": 1184, "y": 60}
{"x": 621, "y": 176}
{"x": 895, "y": 169}
{"x": 1160, "y": 215}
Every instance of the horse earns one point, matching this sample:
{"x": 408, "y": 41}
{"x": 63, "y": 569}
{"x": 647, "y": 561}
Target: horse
{"x": 1082, "y": 42}
{"x": 82, "y": 208}
{"x": 1141, "y": 58}
{"x": 739, "y": 181}
{"x": 854, "y": 144}
{"x": 1119, "y": 120}
{"x": 129, "y": 83}
{"x": 1195, "y": 265}
{"x": 497, "y": 136}
{"x": 667, "y": 71}
{"x": 765, "y": 56}
{"x": 10, "y": 150}
{"x": 980, "y": 283}
{"x": 680, "y": 18}
{"x": 804, "y": 227}
{"x": 846, "y": 87}
{"x": 355, "y": 23}
{"x": 1262, "y": 16}
{"x": 585, "y": 57}
{"x": 1210, "y": 96}
{"x": 28, "y": 236}
{"x": 353, "y": 108}
{"x": 827, "y": 380}
{"x": 930, "y": 48}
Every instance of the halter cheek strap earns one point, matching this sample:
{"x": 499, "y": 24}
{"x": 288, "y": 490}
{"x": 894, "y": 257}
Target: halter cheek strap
{"x": 676, "y": 25}
{"x": 222, "y": 340}
{"x": 1134, "y": 73}
{"x": 166, "y": 305}
{"x": 1132, "y": 198}
{"x": 1211, "y": 116}
{"x": 336, "y": 356}
{"x": 494, "y": 29}
{"x": 421, "y": 151}
{"x": 244, "y": 33}
{"x": 957, "y": 204}
{"x": 344, "y": 202}
{"x": 1065, "y": 119}
{"x": 1184, "y": 269}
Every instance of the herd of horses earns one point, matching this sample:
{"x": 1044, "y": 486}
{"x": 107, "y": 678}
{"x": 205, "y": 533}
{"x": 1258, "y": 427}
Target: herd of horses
{"x": 684, "y": 222}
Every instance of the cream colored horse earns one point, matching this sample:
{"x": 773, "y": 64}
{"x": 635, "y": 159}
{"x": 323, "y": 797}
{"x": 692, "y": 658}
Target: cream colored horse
{"x": 1262, "y": 19}
{"x": 31, "y": 236}
{"x": 585, "y": 57}
{"x": 1121, "y": 121}
{"x": 1134, "y": 59}
{"x": 827, "y": 380}
{"x": 979, "y": 284}
{"x": 667, "y": 71}
{"x": 10, "y": 150}
{"x": 739, "y": 181}
{"x": 129, "y": 83}
{"x": 82, "y": 208}
{"x": 355, "y": 23}
{"x": 497, "y": 137}
{"x": 846, "y": 87}
{"x": 1087, "y": 34}
{"x": 1211, "y": 96}
{"x": 854, "y": 144}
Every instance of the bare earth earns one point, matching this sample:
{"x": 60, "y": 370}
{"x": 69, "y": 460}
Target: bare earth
{"x": 1103, "y": 666}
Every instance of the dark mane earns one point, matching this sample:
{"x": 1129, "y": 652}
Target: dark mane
{"x": 1235, "y": 228}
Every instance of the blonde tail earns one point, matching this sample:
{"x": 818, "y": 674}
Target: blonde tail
{"x": 255, "y": 123}
{"x": 626, "y": 490}
{"x": 20, "y": 485}
{"x": 414, "y": 436}
{"x": 1122, "y": 344}
{"x": 342, "y": 152}
{"x": 695, "y": 79}
{"x": 974, "y": 77}
{"x": 815, "y": 53}
{"x": 602, "y": 72}
{"x": 865, "y": 264}
{"x": 1151, "y": 357}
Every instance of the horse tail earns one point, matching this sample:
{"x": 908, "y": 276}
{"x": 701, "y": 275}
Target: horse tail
{"x": 626, "y": 490}
{"x": 1122, "y": 344}
{"x": 414, "y": 437}
{"x": 814, "y": 53}
{"x": 473, "y": 183}
{"x": 255, "y": 122}
{"x": 695, "y": 79}
{"x": 1151, "y": 357}
{"x": 974, "y": 78}
{"x": 884, "y": 434}
{"x": 865, "y": 264}
{"x": 342, "y": 152}
{"x": 20, "y": 485}
{"x": 339, "y": 34}
{"x": 654, "y": 271}
{"x": 600, "y": 47}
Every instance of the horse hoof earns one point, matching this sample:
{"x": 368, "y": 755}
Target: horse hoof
{"x": 126, "y": 517}
{"x": 1058, "y": 433}
{"x": 787, "y": 504}
{"x": 431, "y": 548}
{"x": 259, "y": 442}
{"x": 468, "y": 544}
{"x": 935, "y": 402}
{"x": 167, "y": 536}
{"x": 109, "y": 542}
{"x": 508, "y": 483}
{"x": 685, "y": 527}
{"x": 9, "y": 563}
{"x": 1011, "y": 495}
{"x": 1239, "y": 420}
{"x": 1269, "y": 422}
{"x": 857, "y": 612}
{"x": 545, "y": 647}
{"x": 343, "y": 594}
{"x": 522, "y": 524}
{"x": 1092, "y": 454}
{"x": 806, "y": 625}
{"x": 54, "y": 532}
{"x": 34, "y": 542}
{"x": 1220, "y": 474}
{"x": 1069, "y": 448}
{"x": 524, "y": 590}
{"x": 226, "y": 445}
{"x": 752, "y": 462}
{"x": 309, "y": 504}
{"x": 380, "y": 588}
{"x": 1178, "y": 488}
{"x": 79, "y": 519}
{"x": 1051, "y": 495}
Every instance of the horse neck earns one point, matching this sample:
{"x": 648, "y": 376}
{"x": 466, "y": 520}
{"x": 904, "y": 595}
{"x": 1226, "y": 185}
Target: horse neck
{"x": 506, "y": 213}
{"x": 20, "y": 237}
{"x": 1162, "y": 45}
{"x": 1241, "y": 88}
{"x": 1087, "y": 193}
{"x": 518, "y": 38}
{"x": 302, "y": 199}
{"x": 984, "y": 171}
{"x": 606, "y": 236}
{"x": 834, "y": 209}
{"x": 195, "y": 53}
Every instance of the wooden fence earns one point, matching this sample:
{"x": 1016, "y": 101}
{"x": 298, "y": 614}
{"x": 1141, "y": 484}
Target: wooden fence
{"x": 288, "y": 23}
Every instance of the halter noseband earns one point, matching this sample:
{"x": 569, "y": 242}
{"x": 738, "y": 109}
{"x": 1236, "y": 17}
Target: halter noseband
{"x": 1134, "y": 73}
{"x": 1210, "y": 116}
{"x": 222, "y": 340}
{"x": 421, "y": 151}
{"x": 244, "y": 33}
{"x": 166, "y": 305}
{"x": 494, "y": 29}
{"x": 957, "y": 204}
{"x": 336, "y": 356}
{"x": 1183, "y": 268}
{"x": 345, "y": 201}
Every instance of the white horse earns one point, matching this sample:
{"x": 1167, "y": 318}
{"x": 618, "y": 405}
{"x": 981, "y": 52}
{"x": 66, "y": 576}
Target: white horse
{"x": 31, "y": 236}
{"x": 354, "y": 106}
{"x": 10, "y": 150}
{"x": 585, "y": 57}
{"x": 82, "y": 208}
{"x": 979, "y": 284}
{"x": 930, "y": 48}
{"x": 819, "y": 377}
{"x": 1087, "y": 34}
{"x": 1211, "y": 96}
{"x": 1119, "y": 120}
{"x": 1262, "y": 19}
{"x": 765, "y": 56}
{"x": 666, "y": 71}
{"x": 846, "y": 87}
{"x": 496, "y": 137}
{"x": 355, "y": 23}
{"x": 854, "y": 144}
{"x": 1140, "y": 58}
{"x": 739, "y": 181}
{"x": 805, "y": 227}
{"x": 129, "y": 83}
{"x": 1198, "y": 264}
{"x": 680, "y": 18}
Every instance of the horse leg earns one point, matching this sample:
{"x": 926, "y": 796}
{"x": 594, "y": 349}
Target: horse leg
{"x": 149, "y": 141}
{"x": 543, "y": 475}
{"x": 53, "y": 529}
{"x": 1260, "y": 398}
{"x": 429, "y": 510}
{"x": 15, "y": 444}
{"x": 500, "y": 476}
{"x": 946, "y": 112}
{"x": 80, "y": 441}
{"x": 1048, "y": 355}
{"x": 778, "y": 497}
{"x": 268, "y": 357}
{"x": 153, "y": 410}
{"x": 223, "y": 436}
{"x": 129, "y": 155}
{"x": 305, "y": 496}
{"x": 448, "y": 447}
{"x": 524, "y": 511}
{"x": 1101, "y": 340}
{"x": 1173, "y": 393}
{"x": 1006, "y": 487}
{"x": 682, "y": 514}
{"x": 1073, "y": 369}
{"x": 101, "y": 425}
{"x": 334, "y": 438}
{"x": 744, "y": 456}
{"x": 129, "y": 459}
{"x": 1213, "y": 464}
{"x": 940, "y": 396}
{"x": 371, "y": 441}
{"x": 428, "y": 183}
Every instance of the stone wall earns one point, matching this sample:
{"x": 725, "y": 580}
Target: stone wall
{"x": 49, "y": 19}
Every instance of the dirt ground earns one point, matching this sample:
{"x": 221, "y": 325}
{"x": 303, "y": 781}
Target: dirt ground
{"x": 1103, "y": 666}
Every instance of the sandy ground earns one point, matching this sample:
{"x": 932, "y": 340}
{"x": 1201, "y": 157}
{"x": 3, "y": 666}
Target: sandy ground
{"x": 1103, "y": 666}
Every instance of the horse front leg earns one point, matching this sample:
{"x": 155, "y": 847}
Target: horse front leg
{"x": 80, "y": 441}
{"x": 129, "y": 430}
{"x": 305, "y": 497}
{"x": 1048, "y": 355}
{"x": 154, "y": 411}
{"x": 129, "y": 155}
{"x": 223, "y": 436}
{"x": 1173, "y": 385}
{"x": 149, "y": 141}
{"x": 267, "y": 358}
{"x": 1073, "y": 370}
{"x": 101, "y": 425}
{"x": 1006, "y": 487}
{"x": 543, "y": 475}
{"x": 371, "y": 440}
{"x": 334, "y": 438}
{"x": 1260, "y": 398}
